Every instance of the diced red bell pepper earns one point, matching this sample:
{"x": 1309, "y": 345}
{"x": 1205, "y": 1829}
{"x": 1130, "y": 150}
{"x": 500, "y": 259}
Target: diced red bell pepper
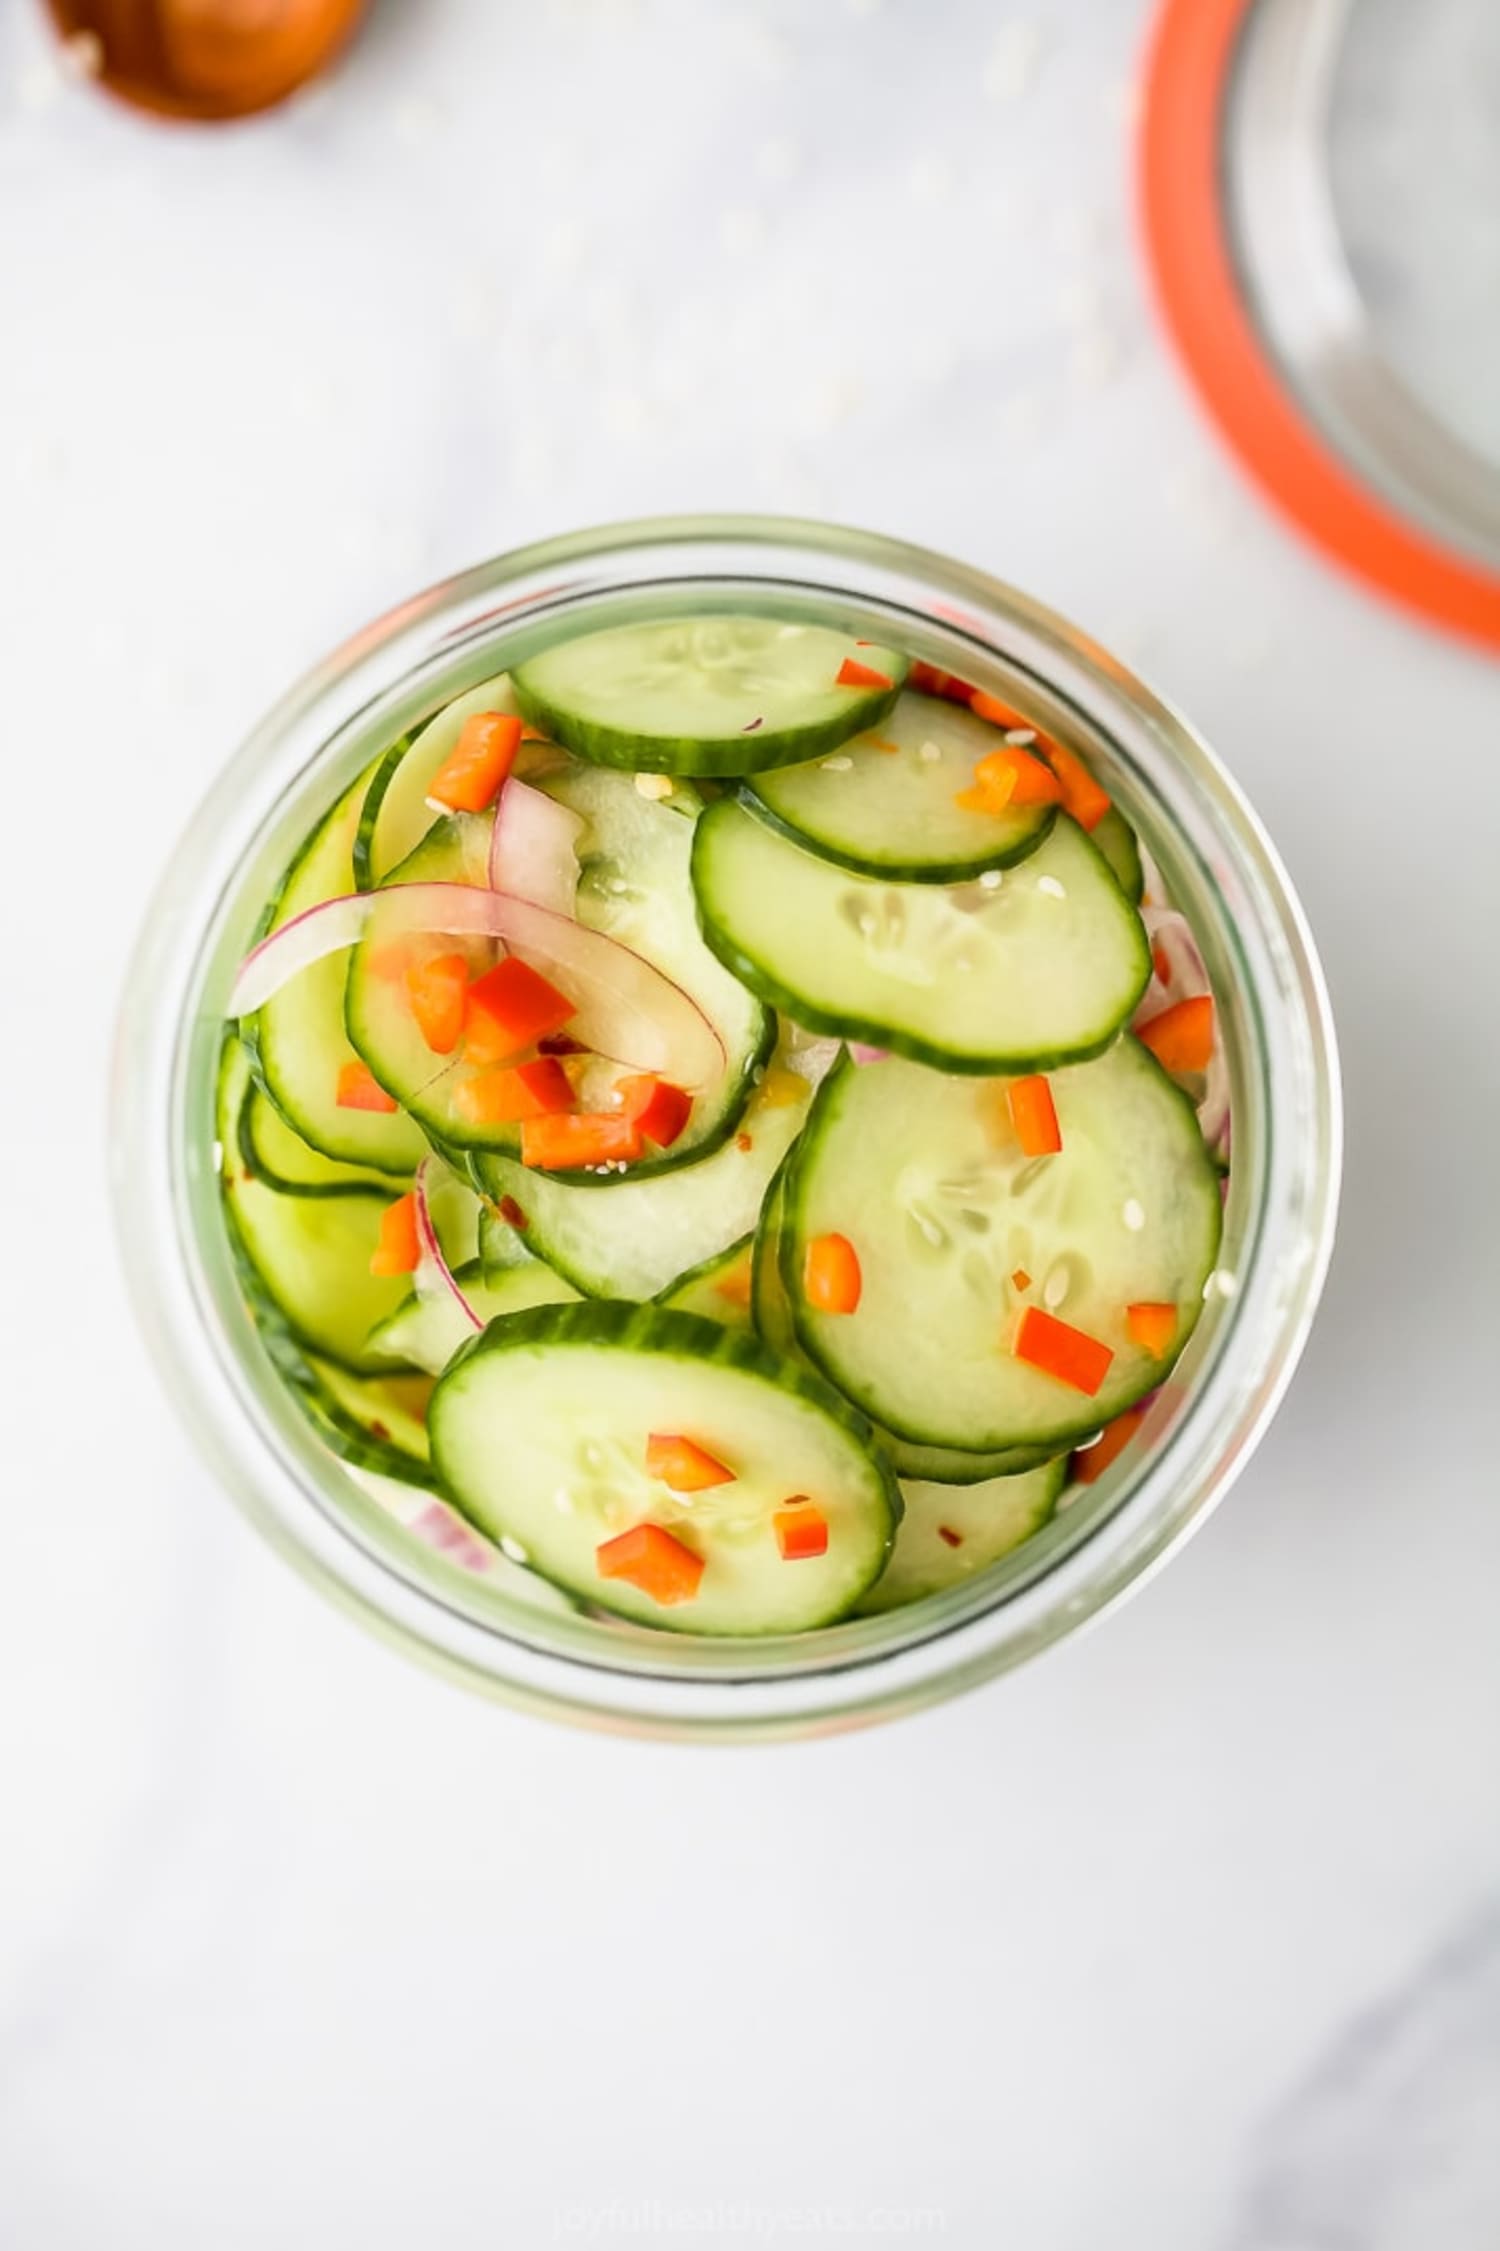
{"x": 436, "y": 990}
{"x": 831, "y": 1277}
{"x": 928, "y": 680}
{"x": 852, "y": 674}
{"x": 1181, "y": 1038}
{"x": 399, "y": 1250}
{"x": 592, "y": 1137}
{"x": 359, "y": 1089}
{"x": 683, "y": 1464}
{"x": 477, "y": 768}
{"x": 1083, "y": 797}
{"x": 509, "y": 1008}
{"x": 1034, "y": 1116}
{"x": 659, "y": 1108}
{"x": 1060, "y": 1350}
{"x": 1152, "y": 1327}
{"x": 1017, "y": 778}
{"x": 652, "y": 1559}
{"x": 1094, "y": 1460}
{"x": 801, "y": 1530}
{"x": 507, "y": 1096}
{"x": 999, "y": 713}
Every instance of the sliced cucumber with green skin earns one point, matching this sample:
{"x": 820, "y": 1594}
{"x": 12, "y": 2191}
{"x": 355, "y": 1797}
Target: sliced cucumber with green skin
{"x": 1116, "y": 839}
{"x": 719, "y": 1289}
{"x": 298, "y": 1040}
{"x": 947, "y": 1535}
{"x": 771, "y": 1313}
{"x": 1021, "y": 970}
{"x": 705, "y": 695}
{"x": 310, "y": 1256}
{"x": 425, "y": 1332}
{"x": 362, "y": 854}
{"x": 634, "y": 1238}
{"x": 402, "y": 815}
{"x": 539, "y": 1432}
{"x": 375, "y": 1422}
{"x": 943, "y": 1222}
{"x": 887, "y": 803}
{"x": 284, "y": 1161}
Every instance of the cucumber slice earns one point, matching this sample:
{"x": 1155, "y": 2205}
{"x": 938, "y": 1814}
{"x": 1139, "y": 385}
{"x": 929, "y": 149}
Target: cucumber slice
{"x": 631, "y": 1238}
{"x": 1018, "y": 971}
{"x": 501, "y": 1246}
{"x": 425, "y": 1332}
{"x": 635, "y": 885}
{"x": 374, "y": 1422}
{"x": 400, "y": 813}
{"x": 771, "y": 1312}
{"x": 948, "y": 1534}
{"x": 311, "y": 1256}
{"x": 284, "y": 1161}
{"x": 1127, "y": 1212}
{"x": 308, "y": 1257}
{"x": 1116, "y": 839}
{"x": 381, "y": 778}
{"x": 887, "y": 804}
{"x": 539, "y": 1431}
{"x": 298, "y": 1040}
{"x": 719, "y": 1289}
{"x": 705, "y": 695}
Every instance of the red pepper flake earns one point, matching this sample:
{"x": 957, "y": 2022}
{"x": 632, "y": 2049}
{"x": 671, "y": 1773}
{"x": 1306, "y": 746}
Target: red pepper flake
{"x": 954, "y": 1539}
{"x": 760, "y": 722}
{"x": 743, "y": 1141}
{"x": 1161, "y": 965}
{"x": 1020, "y": 1280}
{"x": 560, "y": 1043}
{"x": 378, "y": 1430}
{"x": 511, "y": 1212}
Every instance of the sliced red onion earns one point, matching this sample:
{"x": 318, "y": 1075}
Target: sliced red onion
{"x": 533, "y": 848}
{"x": 625, "y": 1008}
{"x": 308, "y": 937}
{"x": 861, "y": 1053}
{"x": 434, "y": 1276}
{"x": 442, "y": 1528}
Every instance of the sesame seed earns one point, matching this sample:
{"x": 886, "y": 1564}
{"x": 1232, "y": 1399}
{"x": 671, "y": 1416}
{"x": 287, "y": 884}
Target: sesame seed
{"x": 1133, "y": 1216}
{"x": 1020, "y": 735}
{"x": 839, "y": 765}
{"x": 930, "y": 753}
{"x": 991, "y": 880}
{"x": 1051, "y": 886}
{"x": 654, "y": 785}
{"x": 513, "y": 1549}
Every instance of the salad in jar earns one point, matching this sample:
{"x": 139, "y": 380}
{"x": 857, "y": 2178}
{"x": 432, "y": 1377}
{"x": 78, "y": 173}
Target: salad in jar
{"x": 723, "y": 1119}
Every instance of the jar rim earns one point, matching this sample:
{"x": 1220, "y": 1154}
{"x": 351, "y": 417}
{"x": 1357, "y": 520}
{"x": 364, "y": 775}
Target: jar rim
{"x": 1286, "y": 1171}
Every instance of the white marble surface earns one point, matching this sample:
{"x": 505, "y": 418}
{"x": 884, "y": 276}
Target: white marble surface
{"x": 1186, "y": 1937}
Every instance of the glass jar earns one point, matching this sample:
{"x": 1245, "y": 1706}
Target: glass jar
{"x": 502, "y": 1632}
